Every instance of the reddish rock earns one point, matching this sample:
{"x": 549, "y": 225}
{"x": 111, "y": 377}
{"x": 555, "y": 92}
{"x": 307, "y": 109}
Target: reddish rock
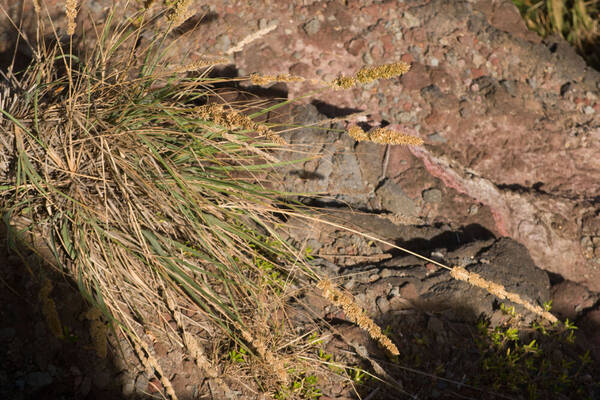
{"x": 570, "y": 299}
{"x": 355, "y": 46}
{"x": 505, "y": 16}
{"x": 300, "y": 69}
{"x": 591, "y": 326}
{"x": 416, "y": 78}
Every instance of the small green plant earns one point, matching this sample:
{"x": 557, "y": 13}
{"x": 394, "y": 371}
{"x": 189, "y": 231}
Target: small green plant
{"x": 387, "y": 331}
{"x": 509, "y": 310}
{"x": 315, "y": 339}
{"x": 238, "y": 356}
{"x": 303, "y": 387}
{"x": 69, "y": 336}
{"x": 539, "y": 360}
{"x": 327, "y": 358}
{"x": 308, "y": 251}
{"x": 570, "y": 328}
{"x": 359, "y": 376}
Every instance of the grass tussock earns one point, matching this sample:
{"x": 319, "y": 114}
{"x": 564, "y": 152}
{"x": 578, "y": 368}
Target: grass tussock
{"x": 151, "y": 198}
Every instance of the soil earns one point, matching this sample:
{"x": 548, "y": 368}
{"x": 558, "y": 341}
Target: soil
{"x": 476, "y": 85}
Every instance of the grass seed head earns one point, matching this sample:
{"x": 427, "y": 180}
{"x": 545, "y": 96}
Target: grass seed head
{"x": 180, "y": 12}
{"x": 357, "y": 133}
{"x": 202, "y": 63}
{"x": 369, "y": 74}
{"x": 344, "y": 82}
{"x": 233, "y": 120}
{"x": 356, "y": 314}
{"x": 387, "y": 136}
{"x": 386, "y": 71}
{"x": 383, "y": 136}
{"x": 499, "y": 291}
{"x": 71, "y": 9}
{"x": 258, "y": 79}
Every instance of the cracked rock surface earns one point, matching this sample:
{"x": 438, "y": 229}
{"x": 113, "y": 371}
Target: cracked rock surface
{"x": 511, "y": 122}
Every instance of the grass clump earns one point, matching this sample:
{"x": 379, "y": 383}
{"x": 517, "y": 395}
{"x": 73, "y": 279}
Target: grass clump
{"x": 153, "y": 198}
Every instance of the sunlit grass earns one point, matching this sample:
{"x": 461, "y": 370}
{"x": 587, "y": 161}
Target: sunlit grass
{"x": 149, "y": 202}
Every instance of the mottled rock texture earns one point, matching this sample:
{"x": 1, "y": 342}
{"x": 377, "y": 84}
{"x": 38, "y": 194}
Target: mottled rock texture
{"x": 511, "y": 123}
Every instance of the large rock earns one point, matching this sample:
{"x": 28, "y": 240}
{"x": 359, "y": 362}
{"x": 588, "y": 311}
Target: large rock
{"x": 511, "y": 122}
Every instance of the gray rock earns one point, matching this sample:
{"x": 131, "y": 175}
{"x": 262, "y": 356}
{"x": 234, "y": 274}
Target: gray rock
{"x": 7, "y": 334}
{"x": 433, "y": 195}
{"x": 383, "y": 304}
{"x": 128, "y": 388}
{"x": 223, "y": 42}
{"x": 312, "y": 26}
{"x": 141, "y": 383}
{"x": 393, "y": 199}
{"x": 38, "y": 380}
{"x": 410, "y": 20}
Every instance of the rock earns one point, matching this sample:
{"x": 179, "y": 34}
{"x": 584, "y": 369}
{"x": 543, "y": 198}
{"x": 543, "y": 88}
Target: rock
{"x": 7, "y": 334}
{"x": 569, "y": 299}
{"x": 395, "y": 200}
{"x": 141, "y": 383}
{"x": 432, "y": 195}
{"x": 383, "y": 305}
{"x": 38, "y": 380}
{"x": 524, "y": 152}
{"x": 223, "y": 43}
{"x": 312, "y": 26}
{"x": 508, "y": 264}
{"x": 410, "y": 20}
{"x": 128, "y": 388}
{"x": 409, "y": 292}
